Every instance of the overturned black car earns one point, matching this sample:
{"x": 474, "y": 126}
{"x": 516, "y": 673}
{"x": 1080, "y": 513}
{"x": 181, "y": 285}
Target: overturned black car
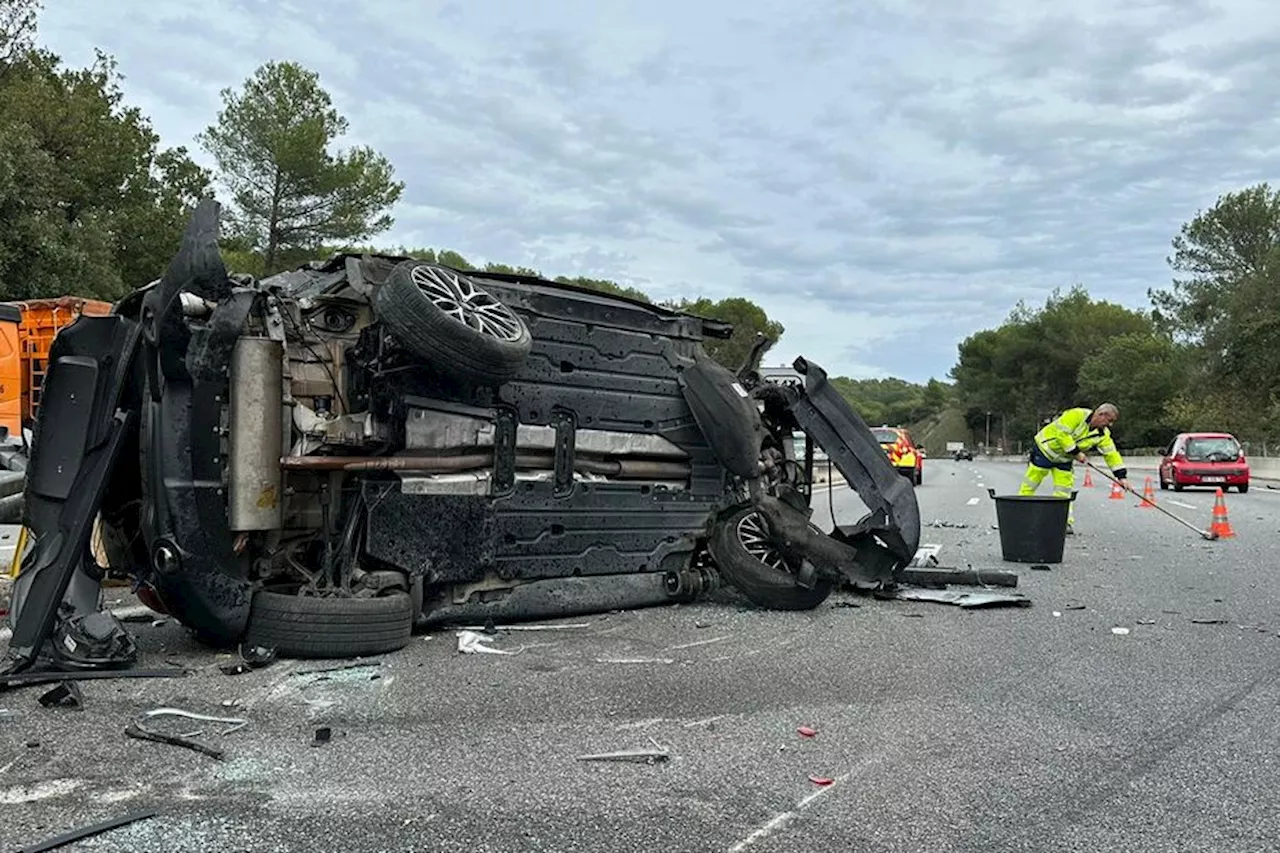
{"x": 318, "y": 461}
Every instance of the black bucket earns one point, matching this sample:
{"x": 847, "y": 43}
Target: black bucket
{"x": 1033, "y": 528}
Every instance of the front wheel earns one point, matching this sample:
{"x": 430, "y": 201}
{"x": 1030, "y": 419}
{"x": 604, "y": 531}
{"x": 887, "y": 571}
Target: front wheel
{"x": 753, "y": 565}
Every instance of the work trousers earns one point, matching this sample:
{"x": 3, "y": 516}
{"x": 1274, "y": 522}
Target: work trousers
{"x": 1064, "y": 479}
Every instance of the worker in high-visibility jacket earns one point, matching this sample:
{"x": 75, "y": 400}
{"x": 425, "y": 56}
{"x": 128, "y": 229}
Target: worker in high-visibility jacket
{"x": 1065, "y": 440}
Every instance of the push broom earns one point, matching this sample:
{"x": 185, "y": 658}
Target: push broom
{"x": 1207, "y": 534}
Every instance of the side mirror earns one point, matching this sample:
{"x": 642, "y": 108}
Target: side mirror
{"x": 1164, "y": 451}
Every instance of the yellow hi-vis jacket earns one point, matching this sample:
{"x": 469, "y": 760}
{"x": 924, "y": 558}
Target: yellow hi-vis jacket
{"x": 1070, "y": 433}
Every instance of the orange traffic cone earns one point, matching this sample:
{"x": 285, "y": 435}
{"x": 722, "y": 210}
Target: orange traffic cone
{"x": 1148, "y": 495}
{"x": 1088, "y": 479}
{"x": 1221, "y": 526}
{"x": 1117, "y": 493}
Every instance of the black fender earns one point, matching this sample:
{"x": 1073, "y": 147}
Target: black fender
{"x": 726, "y": 414}
{"x": 889, "y": 536}
{"x": 87, "y": 415}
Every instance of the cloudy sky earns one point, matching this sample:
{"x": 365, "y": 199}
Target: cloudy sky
{"x": 883, "y": 177}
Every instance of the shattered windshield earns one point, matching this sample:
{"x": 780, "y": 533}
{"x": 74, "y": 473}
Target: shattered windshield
{"x": 1212, "y": 449}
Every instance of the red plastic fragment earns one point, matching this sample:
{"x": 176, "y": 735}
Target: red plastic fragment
{"x": 820, "y": 780}
{"x": 805, "y": 731}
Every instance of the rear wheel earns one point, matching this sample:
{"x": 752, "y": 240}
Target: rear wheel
{"x": 1244, "y": 487}
{"x": 753, "y": 565}
{"x": 329, "y": 627}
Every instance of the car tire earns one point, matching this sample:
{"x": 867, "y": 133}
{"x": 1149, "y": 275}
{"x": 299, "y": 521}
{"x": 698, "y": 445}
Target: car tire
{"x": 1243, "y": 488}
{"x": 919, "y": 478}
{"x": 329, "y": 627}
{"x": 1164, "y": 484}
{"x": 418, "y": 301}
{"x": 1177, "y": 487}
{"x": 760, "y": 580}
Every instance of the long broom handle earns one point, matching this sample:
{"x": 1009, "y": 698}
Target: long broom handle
{"x": 1176, "y": 518}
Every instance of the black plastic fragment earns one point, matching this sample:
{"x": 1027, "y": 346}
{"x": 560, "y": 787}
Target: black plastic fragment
{"x": 88, "y": 832}
{"x": 323, "y": 735}
{"x": 65, "y": 695}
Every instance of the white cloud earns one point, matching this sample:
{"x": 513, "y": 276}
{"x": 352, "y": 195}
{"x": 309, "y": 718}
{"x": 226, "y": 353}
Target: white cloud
{"x": 883, "y": 178}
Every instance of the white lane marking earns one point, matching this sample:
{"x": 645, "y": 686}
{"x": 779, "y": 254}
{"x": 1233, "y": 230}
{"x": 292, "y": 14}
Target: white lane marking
{"x": 971, "y": 502}
{"x": 707, "y": 721}
{"x": 697, "y": 643}
{"x": 1181, "y": 504}
{"x": 783, "y": 819}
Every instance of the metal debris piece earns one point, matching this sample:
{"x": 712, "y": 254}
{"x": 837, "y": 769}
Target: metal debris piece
{"x": 1040, "y": 567}
{"x": 821, "y": 780}
{"x": 236, "y": 723}
{"x": 1073, "y": 607}
{"x": 323, "y": 735}
{"x": 1146, "y": 621}
{"x": 966, "y": 598}
{"x": 65, "y": 695}
{"x": 955, "y": 524}
{"x": 1120, "y": 631}
{"x": 969, "y": 576}
{"x": 647, "y": 756}
{"x": 136, "y": 730}
{"x": 1208, "y": 621}
{"x": 471, "y": 643}
{"x": 88, "y": 832}
{"x": 25, "y": 679}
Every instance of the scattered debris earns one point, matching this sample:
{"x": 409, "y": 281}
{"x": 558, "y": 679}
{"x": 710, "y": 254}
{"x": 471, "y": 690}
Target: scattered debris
{"x": 805, "y": 731}
{"x": 323, "y": 735}
{"x": 471, "y": 643}
{"x": 913, "y": 615}
{"x": 1040, "y": 567}
{"x": 1120, "y": 631}
{"x": 88, "y": 831}
{"x": 1208, "y": 621}
{"x": 952, "y": 524}
{"x": 846, "y": 604}
{"x": 965, "y": 598}
{"x": 254, "y": 657}
{"x": 65, "y": 695}
{"x": 821, "y": 780}
{"x": 1057, "y": 613}
{"x": 10, "y": 714}
{"x": 1146, "y": 621}
{"x": 1073, "y": 607}
{"x": 137, "y": 730}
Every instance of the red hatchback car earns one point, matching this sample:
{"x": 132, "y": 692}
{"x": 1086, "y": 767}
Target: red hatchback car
{"x": 1204, "y": 459}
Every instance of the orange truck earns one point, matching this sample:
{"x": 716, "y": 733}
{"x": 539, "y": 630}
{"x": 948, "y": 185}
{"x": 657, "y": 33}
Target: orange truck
{"x": 27, "y": 329}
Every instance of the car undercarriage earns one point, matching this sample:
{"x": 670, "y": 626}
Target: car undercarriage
{"x": 320, "y": 461}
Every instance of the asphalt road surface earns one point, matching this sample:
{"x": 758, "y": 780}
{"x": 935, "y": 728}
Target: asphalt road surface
{"x": 943, "y": 729}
